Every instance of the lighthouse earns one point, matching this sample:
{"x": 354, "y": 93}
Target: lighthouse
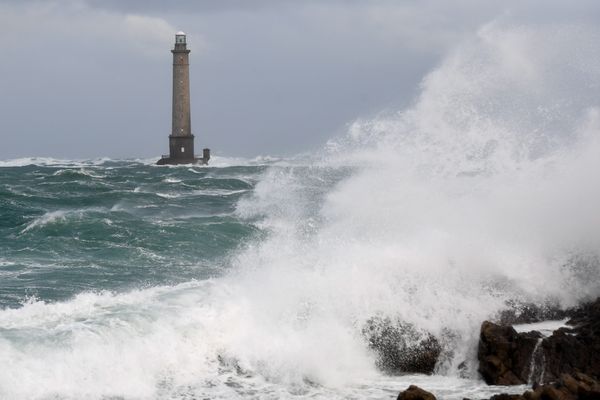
{"x": 181, "y": 140}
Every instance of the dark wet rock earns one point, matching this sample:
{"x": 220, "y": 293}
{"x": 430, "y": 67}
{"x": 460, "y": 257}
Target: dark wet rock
{"x": 400, "y": 347}
{"x": 504, "y": 355}
{"x": 568, "y": 387}
{"x": 504, "y": 396}
{"x": 577, "y": 386}
{"x": 507, "y": 357}
{"x": 576, "y": 349}
{"x": 415, "y": 393}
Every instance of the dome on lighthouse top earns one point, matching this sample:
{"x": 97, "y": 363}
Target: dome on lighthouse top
{"x": 180, "y": 33}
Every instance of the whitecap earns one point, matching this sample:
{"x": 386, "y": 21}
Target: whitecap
{"x": 46, "y": 219}
{"x": 51, "y": 162}
{"x": 168, "y": 195}
{"x": 51, "y": 217}
{"x": 171, "y": 180}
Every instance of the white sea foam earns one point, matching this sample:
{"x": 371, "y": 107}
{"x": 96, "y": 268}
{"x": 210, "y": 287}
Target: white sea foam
{"x": 218, "y": 192}
{"x": 18, "y": 192}
{"x": 6, "y": 263}
{"x": 546, "y": 328}
{"x": 45, "y": 219}
{"x": 200, "y": 192}
{"x": 80, "y": 171}
{"x": 166, "y": 341}
{"x": 168, "y": 195}
{"x": 49, "y": 161}
{"x": 21, "y": 162}
{"x": 172, "y": 180}
{"x": 223, "y": 162}
{"x": 51, "y": 217}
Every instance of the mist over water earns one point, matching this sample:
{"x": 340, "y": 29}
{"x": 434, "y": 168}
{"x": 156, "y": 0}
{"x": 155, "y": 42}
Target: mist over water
{"x": 483, "y": 191}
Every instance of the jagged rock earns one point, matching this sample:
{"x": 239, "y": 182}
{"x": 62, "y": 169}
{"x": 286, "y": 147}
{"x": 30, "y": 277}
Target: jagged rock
{"x": 577, "y": 386}
{"x": 577, "y": 349}
{"x": 400, "y": 347}
{"x": 504, "y": 396}
{"x": 567, "y": 387}
{"x": 504, "y": 355}
{"x": 415, "y": 393}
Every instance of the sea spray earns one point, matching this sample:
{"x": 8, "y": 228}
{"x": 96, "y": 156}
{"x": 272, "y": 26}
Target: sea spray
{"x": 480, "y": 193}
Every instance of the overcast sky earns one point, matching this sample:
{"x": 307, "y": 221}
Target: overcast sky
{"x": 92, "y": 78}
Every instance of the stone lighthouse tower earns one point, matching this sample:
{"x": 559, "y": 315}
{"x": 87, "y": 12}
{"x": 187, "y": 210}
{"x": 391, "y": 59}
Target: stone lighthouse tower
{"x": 181, "y": 140}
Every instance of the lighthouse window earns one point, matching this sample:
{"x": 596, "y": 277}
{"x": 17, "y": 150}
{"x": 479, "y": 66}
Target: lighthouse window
{"x": 183, "y": 149}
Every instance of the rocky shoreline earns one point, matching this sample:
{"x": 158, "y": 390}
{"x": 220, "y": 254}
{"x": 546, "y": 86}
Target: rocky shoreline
{"x": 564, "y": 365}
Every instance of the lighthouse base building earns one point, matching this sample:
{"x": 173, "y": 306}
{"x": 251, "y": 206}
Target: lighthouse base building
{"x": 181, "y": 140}
{"x": 181, "y": 151}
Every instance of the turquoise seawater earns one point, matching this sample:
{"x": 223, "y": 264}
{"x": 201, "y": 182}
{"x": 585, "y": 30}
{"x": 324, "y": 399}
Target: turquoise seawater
{"x": 116, "y": 225}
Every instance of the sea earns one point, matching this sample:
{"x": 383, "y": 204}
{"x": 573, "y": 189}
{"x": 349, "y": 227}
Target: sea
{"x": 255, "y": 278}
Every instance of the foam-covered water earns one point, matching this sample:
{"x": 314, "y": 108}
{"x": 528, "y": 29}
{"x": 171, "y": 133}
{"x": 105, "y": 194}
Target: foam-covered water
{"x": 256, "y": 278}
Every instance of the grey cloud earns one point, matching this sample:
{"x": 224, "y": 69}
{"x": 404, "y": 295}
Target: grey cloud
{"x": 92, "y": 78}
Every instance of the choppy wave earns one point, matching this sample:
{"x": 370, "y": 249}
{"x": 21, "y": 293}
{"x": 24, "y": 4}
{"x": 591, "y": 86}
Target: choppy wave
{"x": 54, "y": 216}
{"x": 49, "y": 161}
{"x": 172, "y": 180}
{"x": 216, "y": 161}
